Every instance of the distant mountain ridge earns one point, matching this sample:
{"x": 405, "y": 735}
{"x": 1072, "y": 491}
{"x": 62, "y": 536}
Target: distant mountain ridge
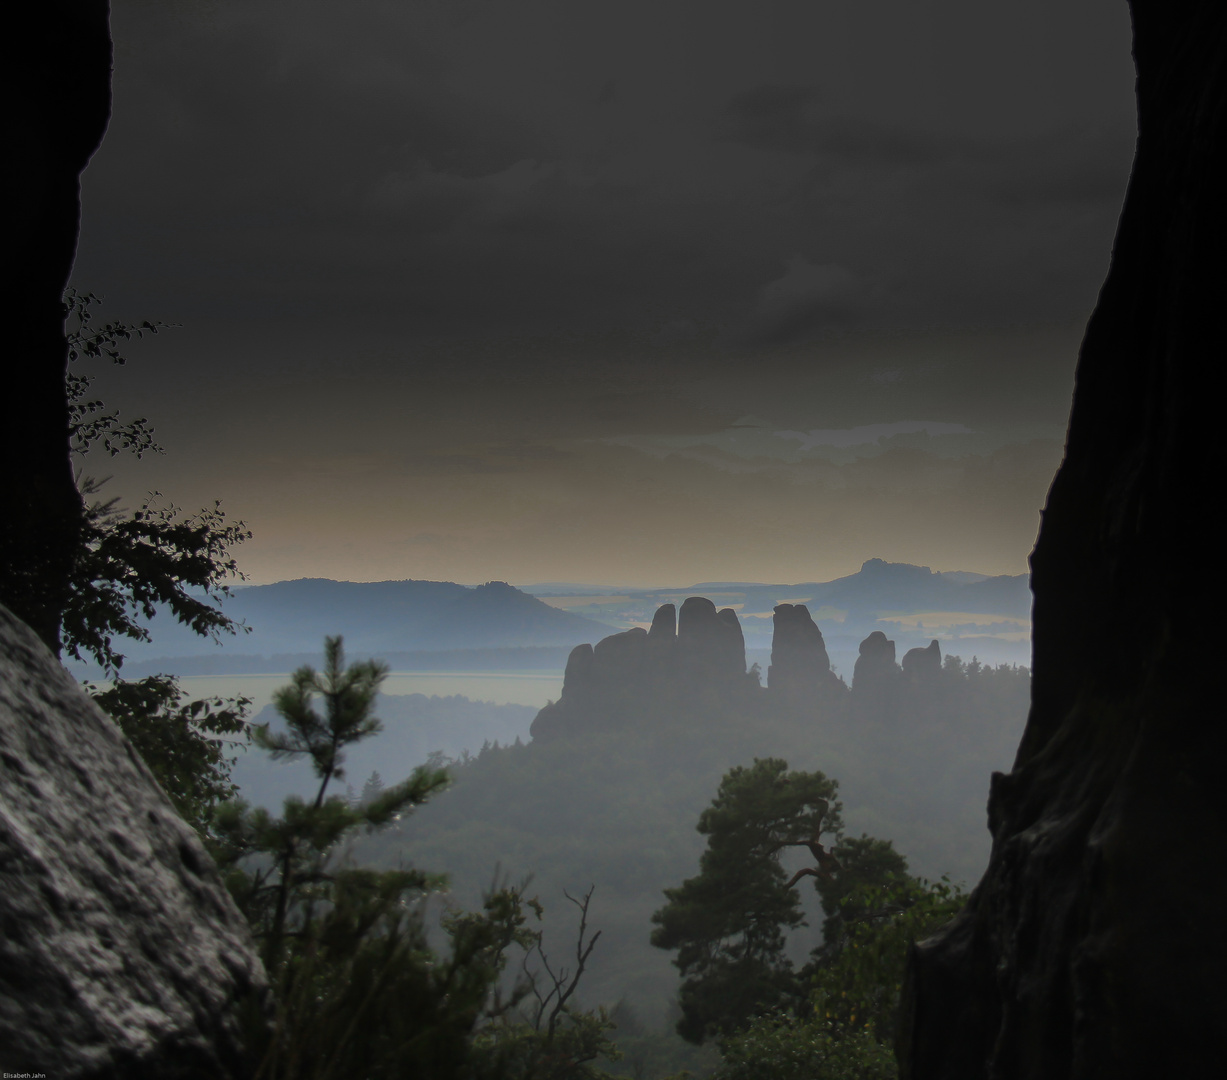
{"x": 408, "y": 621}
{"x": 972, "y": 613}
{"x": 375, "y": 617}
{"x": 882, "y": 586}
{"x": 879, "y": 586}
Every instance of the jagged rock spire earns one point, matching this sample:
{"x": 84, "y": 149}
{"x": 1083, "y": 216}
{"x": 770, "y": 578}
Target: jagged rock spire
{"x": 629, "y": 678}
{"x": 800, "y": 668}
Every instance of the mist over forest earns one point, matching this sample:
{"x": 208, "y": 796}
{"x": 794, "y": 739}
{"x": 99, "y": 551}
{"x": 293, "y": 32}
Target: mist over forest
{"x": 602, "y": 787}
{"x": 905, "y": 686}
{"x": 442, "y": 626}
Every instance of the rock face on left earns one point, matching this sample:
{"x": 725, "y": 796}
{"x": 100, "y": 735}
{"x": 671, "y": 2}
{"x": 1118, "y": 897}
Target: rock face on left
{"x": 121, "y": 953}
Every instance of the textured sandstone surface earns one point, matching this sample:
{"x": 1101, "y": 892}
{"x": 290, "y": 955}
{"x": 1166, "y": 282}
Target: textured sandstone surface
{"x": 121, "y": 953}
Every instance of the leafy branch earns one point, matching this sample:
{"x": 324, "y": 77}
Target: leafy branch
{"x": 128, "y": 565}
{"x": 88, "y": 421}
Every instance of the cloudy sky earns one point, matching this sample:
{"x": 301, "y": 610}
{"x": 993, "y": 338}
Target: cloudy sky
{"x": 641, "y": 292}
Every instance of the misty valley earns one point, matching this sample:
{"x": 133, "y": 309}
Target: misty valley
{"x": 597, "y": 793}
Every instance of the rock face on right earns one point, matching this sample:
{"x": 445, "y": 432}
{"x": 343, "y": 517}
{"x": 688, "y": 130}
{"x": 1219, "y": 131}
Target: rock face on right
{"x": 1095, "y": 944}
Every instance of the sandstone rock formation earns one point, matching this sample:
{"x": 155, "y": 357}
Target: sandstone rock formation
{"x": 121, "y": 953}
{"x": 876, "y": 681}
{"x": 800, "y": 671}
{"x": 922, "y": 665}
{"x": 875, "y": 662}
{"x": 1094, "y": 946}
{"x": 686, "y": 662}
{"x": 709, "y": 642}
{"x": 664, "y": 626}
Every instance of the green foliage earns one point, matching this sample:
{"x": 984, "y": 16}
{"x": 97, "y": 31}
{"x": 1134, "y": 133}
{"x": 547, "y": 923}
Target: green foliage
{"x": 858, "y": 976}
{"x": 288, "y": 874}
{"x": 547, "y": 1038}
{"x": 868, "y": 867}
{"x": 514, "y": 1049}
{"x": 362, "y": 993}
{"x": 348, "y": 695}
{"x": 846, "y": 1028}
{"x": 88, "y": 422}
{"x": 618, "y": 809}
{"x": 372, "y": 788}
{"x": 650, "y": 1050}
{"x": 727, "y": 924}
{"x": 128, "y": 564}
{"x": 183, "y": 742}
{"x": 782, "y": 1046}
{"x": 360, "y": 990}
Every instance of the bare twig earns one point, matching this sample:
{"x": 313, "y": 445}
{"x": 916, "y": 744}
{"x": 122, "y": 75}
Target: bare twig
{"x": 563, "y": 982}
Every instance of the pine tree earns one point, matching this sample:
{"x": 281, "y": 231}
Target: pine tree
{"x": 360, "y": 989}
{"x": 372, "y": 787}
{"x": 728, "y": 924}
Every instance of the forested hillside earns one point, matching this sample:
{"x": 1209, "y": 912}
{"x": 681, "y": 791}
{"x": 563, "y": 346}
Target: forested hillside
{"x": 616, "y": 807}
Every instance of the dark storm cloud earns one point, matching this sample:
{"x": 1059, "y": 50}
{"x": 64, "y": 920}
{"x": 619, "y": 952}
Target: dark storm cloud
{"x": 463, "y": 263}
{"x": 467, "y": 166}
{"x": 807, "y": 299}
{"x": 1071, "y": 166}
{"x": 771, "y": 116}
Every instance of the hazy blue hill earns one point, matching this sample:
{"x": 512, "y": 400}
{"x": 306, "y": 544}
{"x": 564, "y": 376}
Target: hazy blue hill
{"x": 488, "y": 614}
{"x": 523, "y": 658}
{"x": 881, "y": 586}
{"x": 376, "y": 618}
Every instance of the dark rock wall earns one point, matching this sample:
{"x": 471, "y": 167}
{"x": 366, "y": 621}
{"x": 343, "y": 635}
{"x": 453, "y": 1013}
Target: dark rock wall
{"x": 1095, "y": 945}
{"x": 59, "y": 62}
{"x": 121, "y": 953}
